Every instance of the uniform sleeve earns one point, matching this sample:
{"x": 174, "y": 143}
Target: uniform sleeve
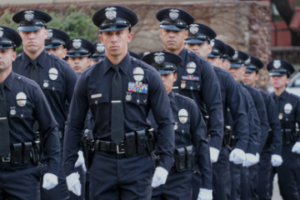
{"x": 162, "y": 112}
{"x": 236, "y": 103}
{"x": 71, "y": 78}
{"x": 211, "y": 95}
{"x": 75, "y": 124}
{"x": 199, "y": 132}
{"x": 49, "y": 130}
{"x": 275, "y": 126}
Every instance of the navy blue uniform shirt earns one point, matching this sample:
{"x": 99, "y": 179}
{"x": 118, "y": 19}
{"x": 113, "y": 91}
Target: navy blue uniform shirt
{"x": 197, "y": 80}
{"x": 93, "y": 90}
{"x": 21, "y": 118}
{"x": 274, "y": 123}
{"x": 288, "y": 106}
{"x": 233, "y": 99}
{"x": 192, "y": 132}
{"x": 56, "y": 78}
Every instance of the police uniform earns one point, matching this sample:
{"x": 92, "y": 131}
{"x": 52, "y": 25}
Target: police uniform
{"x": 233, "y": 102}
{"x": 121, "y": 167}
{"x": 22, "y": 102}
{"x": 53, "y": 75}
{"x": 195, "y": 80}
{"x": 99, "y": 53}
{"x": 238, "y": 173}
{"x": 288, "y": 106}
{"x": 56, "y": 38}
{"x": 190, "y": 137}
{"x": 273, "y": 145}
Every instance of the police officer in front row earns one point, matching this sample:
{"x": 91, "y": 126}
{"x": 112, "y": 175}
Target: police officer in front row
{"x": 120, "y": 90}
{"x": 288, "y": 106}
{"x": 190, "y": 136}
{"x": 22, "y": 102}
{"x": 53, "y": 75}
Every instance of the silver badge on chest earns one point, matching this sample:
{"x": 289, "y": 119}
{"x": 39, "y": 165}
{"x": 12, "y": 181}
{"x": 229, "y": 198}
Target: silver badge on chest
{"x": 288, "y": 108}
{"x": 183, "y": 115}
{"x": 77, "y": 43}
{"x": 46, "y": 83}
{"x": 128, "y": 96}
{"x": 138, "y": 74}
{"x": 194, "y": 28}
{"x": 21, "y": 99}
{"x": 191, "y": 67}
{"x": 111, "y": 13}
{"x": 29, "y": 15}
{"x": 13, "y": 110}
{"x": 53, "y": 74}
{"x": 174, "y": 14}
{"x": 159, "y": 58}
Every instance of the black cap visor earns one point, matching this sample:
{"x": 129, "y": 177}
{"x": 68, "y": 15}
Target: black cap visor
{"x": 6, "y": 44}
{"x": 236, "y": 65}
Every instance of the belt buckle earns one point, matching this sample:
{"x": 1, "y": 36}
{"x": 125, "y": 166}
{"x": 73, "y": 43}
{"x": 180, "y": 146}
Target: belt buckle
{"x": 121, "y": 148}
{"x": 6, "y": 159}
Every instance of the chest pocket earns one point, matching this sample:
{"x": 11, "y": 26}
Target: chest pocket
{"x": 21, "y": 113}
{"x": 190, "y": 85}
{"x": 136, "y": 106}
{"x": 101, "y": 104}
{"x": 53, "y": 86}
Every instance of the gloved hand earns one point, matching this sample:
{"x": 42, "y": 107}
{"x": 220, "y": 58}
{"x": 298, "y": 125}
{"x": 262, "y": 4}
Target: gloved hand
{"x": 74, "y": 184}
{"x": 237, "y": 156}
{"x": 214, "y": 154}
{"x": 159, "y": 177}
{"x": 276, "y": 160}
{"x": 250, "y": 160}
{"x": 49, "y": 181}
{"x": 205, "y": 194}
{"x": 257, "y": 158}
{"x": 296, "y": 148}
{"x": 80, "y": 161}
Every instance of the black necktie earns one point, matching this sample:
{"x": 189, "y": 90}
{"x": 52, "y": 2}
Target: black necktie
{"x": 34, "y": 71}
{"x": 117, "y": 114}
{"x": 4, "y": 126}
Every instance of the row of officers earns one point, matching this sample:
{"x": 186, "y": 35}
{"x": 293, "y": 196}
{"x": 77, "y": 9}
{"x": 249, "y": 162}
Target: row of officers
{"x": 183, "y": 123}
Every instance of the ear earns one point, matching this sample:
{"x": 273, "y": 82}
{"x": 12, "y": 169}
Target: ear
{"x": 209, "y": 48}
{"x": 160, "y": 33}
{"x": 186, "y": 33}
{"x": 175, "y": 77}
{"x": 65, "y": 50}
{"x": 14, "y": 55}
{"x": 101, "y": 38}
{"x": 130, "y": 36}
{"x": 287, "y": 81}
{"x": 89, "y": 62}
{"x": 257, "y": 76}
{"x": 45, "y": 32}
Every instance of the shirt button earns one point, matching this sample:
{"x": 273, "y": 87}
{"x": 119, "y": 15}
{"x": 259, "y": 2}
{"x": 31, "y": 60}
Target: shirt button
{"x": 191, "y": 88}
{"x": 96, "y": 102}
{"x": 19, "y": 77}
{"x": 138, "y": 101}
{"x": 53, "y": 88}
{"x": 22, "y": 115}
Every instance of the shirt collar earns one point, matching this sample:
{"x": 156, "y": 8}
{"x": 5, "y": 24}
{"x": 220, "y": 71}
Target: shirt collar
{"x": 9, "y": 81}
{"x": 172, "y": 97}
{"x": 282, "y": 96}
{"x": 124, "y": 64}
{"x": 41, "y": 59}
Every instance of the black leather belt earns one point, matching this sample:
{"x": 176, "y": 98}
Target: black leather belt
{"x": 109, "y": 146}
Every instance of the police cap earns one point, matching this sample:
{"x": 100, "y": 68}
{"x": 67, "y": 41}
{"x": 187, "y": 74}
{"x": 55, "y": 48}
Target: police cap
{"x": 9, "y": 38}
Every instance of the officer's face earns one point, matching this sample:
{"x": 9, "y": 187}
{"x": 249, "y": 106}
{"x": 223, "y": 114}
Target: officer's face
{"x": 7, "y": 56}
{"x": 279, "y": 81}
{"x": 238, "y": 73}
{"x": 225, "y": 64}
{"x": 250, "y": 78}
{"x": 60, "y": 52}
{"x": 116, "y": 42}
{"x": 202, "y": 49}
{"x": 173, "y": 40}
{"x": 79, "y": 64}
{"x": 34, "y": 41}
{"x": 169, "y": 80}
{"x": 215, "y": 61}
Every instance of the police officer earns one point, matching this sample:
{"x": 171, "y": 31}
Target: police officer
{"x": 99, "y": 53}
{"x": 196, "y": 77}
{"x": 232, "y": 99}
{"x": 271, "y": 153}
{"x": 22, "y": 103}
{"x": 288, "y": 106}
{"x": 120, "y": 90}
{"x": 190, "y": 136}
{"x": 237, "y": 70}
{"x": 225, "y": 59}
{"x": 52, "y": 74}
{"x": 56, "y": 41}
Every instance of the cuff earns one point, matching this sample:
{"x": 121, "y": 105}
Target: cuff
{"x": 241, "y": 145}
{"x": 252, "y": 149}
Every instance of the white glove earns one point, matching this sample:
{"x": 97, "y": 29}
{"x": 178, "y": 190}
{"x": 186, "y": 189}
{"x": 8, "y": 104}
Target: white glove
{"x": 296, "y": 148}
{"x": 49, "y": 181}
{"x": 74, "y": 184}
{"x": 250, "y": 160}
{"x": 214, "y": 154}
{"x": 257, "y": 158}
{"x": 276, "y": 160}
{"x": 159, "y": 177}
{"x": 237, "y": 156}
{"x": 80, "y": 161}
{"x": 205, "y": 194}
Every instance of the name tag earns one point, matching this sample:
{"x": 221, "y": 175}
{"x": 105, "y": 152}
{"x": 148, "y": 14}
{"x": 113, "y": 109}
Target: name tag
{"x": 137, "y": 87}
{"x": 94, "y": 96}
{"x": 190, "y": 78}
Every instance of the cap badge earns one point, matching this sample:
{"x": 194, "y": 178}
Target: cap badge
{"x": 194, "y": 28}
{"x": 111, "y": 13}
{"x": 236, "y": 55}
{"x": 77, "y": 43}
{"x": 174, "y": 14}
{"x": 50, "y": 34}
{"x": 100, "y": 47}
{"x": 247, "y": 62}
{"x": 159, "y": 58}
{"x": 183, "y": 115}
{"x": 29, "y": 15}
{"x": 277, "y": 64}
{"x": 212, "y": 43}
{"x": 1, "y": 32}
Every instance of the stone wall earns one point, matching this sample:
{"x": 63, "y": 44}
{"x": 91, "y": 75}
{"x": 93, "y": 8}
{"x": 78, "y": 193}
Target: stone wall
{"x": 244, "y": 25}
